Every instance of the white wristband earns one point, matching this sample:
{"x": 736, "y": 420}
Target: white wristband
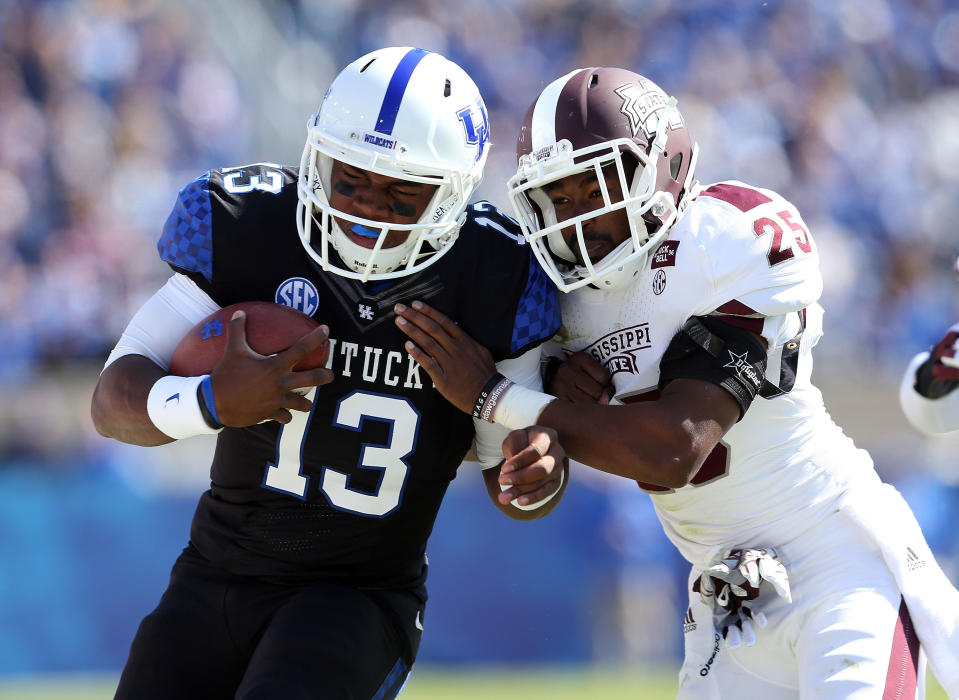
{"x": 174, "y": 408}
{"x": 534, "y": 506}
{"x": 520, "y": 407}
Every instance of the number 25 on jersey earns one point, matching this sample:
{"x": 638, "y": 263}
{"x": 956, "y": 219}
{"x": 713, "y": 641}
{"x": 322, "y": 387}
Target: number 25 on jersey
{"x": 781, "y": 247}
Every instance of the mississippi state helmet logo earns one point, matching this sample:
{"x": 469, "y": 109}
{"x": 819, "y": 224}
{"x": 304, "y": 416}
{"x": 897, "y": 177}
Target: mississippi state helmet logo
{"x": 641, "y": 101}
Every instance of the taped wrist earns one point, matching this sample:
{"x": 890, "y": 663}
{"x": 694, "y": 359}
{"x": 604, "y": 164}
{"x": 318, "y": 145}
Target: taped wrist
{"x": 509, "y": 404}
{"x": 713, "y": 351}
{"x": 176, "y": 407}
{"x": 520, "y": 407}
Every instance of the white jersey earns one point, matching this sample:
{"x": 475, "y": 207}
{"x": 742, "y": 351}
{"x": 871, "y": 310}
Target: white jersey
{"x": 743, "y": 254}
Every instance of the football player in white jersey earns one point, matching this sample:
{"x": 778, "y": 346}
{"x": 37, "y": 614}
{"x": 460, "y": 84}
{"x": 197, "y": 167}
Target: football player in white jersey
{"x": 928, "y": 393}
{"x": 684, "y": 363}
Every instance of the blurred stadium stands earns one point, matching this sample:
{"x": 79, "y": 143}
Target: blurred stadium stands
{"x": 848, "y": 107}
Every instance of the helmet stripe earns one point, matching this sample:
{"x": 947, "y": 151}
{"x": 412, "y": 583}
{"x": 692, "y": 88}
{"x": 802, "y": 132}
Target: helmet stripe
{"x": 543, "y": 127}
{"x": 396, "y": 89}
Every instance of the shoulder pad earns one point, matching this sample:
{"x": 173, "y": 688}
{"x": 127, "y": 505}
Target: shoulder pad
{"x": 759, "y": 249}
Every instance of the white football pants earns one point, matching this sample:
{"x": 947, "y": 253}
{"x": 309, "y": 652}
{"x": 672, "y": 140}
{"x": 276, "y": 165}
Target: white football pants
{"x": 845, "y": 636}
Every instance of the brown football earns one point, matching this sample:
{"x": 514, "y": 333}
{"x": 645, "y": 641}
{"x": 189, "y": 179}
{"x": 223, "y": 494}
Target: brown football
{"x": 270, "y": 328}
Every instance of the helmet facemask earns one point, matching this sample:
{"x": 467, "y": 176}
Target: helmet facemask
{"x": 649, "y": 213}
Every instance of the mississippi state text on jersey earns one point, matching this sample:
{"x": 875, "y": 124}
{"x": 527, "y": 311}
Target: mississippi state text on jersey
{"x": 349, "y": 491}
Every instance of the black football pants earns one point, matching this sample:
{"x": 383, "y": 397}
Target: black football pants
{"x": 216, "y": 636}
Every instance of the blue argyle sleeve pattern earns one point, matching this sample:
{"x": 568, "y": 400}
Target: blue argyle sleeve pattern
{"x": 187, "y": 239}
{"x": 538, "y": 314}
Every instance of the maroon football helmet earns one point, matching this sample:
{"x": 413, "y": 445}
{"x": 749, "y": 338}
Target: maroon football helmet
{"x": 600, "y": 119}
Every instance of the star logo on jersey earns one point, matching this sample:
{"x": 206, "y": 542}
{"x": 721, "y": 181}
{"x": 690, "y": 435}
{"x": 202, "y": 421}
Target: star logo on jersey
{"x": 365, "y": 311}
{"x": 740, "y": 365}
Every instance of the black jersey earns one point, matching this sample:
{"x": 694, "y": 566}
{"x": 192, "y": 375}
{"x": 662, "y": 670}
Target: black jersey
{"x": 349, "y": 491}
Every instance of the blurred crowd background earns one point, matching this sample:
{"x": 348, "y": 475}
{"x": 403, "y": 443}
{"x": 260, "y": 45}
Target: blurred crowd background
{"x": 850, "y": 108}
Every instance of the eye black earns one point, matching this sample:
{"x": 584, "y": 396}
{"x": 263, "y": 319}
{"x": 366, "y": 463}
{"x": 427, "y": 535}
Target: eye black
{"x": 403, "y": 209}
{"x": 344, "y": 188}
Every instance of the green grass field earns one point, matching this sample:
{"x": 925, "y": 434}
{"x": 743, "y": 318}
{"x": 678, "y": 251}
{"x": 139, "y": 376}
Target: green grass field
{"x": 435, "y": 684}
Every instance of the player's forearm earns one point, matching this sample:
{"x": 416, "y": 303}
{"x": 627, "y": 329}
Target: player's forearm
{"x": 628, "y": 441}
{"x": 119, "y": 406}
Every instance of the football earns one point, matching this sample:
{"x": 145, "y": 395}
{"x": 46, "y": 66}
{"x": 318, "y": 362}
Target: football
{"x": 270, "y": 328}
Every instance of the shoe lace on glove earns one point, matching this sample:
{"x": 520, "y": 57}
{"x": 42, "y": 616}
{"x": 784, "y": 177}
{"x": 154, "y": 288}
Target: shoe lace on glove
{"x": 737, "y": 579}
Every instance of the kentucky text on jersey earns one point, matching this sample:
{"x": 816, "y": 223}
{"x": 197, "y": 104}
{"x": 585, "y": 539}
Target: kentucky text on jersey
{"x": 393, "y": 366}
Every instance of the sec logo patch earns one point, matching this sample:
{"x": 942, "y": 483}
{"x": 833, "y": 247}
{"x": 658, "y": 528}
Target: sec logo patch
{"x": 659, "y": 282}
{"x": 298, "y": 293}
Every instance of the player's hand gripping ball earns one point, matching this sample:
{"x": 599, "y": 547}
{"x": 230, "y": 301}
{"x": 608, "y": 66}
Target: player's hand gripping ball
{"x": 270, "y": 328}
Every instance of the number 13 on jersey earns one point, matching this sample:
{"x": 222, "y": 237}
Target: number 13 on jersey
{"x": 286, "y": 475}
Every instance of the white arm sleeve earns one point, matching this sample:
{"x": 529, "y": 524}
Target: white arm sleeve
{"x": 523, "y": 370}
{"x": 160, "y": 324}
{"x": 928, "y": 416}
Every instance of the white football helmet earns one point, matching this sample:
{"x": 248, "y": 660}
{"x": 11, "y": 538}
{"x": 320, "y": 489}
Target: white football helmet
{"x": 404, "y": 113}
{"x": 588, "y": 120}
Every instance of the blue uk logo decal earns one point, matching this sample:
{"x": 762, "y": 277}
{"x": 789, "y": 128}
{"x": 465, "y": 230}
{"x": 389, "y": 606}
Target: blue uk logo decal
{"x": 211, "y": 329}
{"x": 476, "y": 124}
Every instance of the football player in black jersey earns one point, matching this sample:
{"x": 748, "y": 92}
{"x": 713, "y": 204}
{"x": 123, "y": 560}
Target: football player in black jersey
{"x": 305, "y": 572}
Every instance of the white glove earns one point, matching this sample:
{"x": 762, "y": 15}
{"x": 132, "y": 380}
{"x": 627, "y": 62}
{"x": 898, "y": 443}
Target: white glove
{"x": 738, "y": 578}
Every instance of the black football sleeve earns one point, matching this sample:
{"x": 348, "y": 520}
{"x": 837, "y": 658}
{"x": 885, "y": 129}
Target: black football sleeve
{"x": 716, "y": 352}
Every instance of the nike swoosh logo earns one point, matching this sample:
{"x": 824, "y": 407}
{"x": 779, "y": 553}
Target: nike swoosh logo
{"x": 419, "y": 624}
